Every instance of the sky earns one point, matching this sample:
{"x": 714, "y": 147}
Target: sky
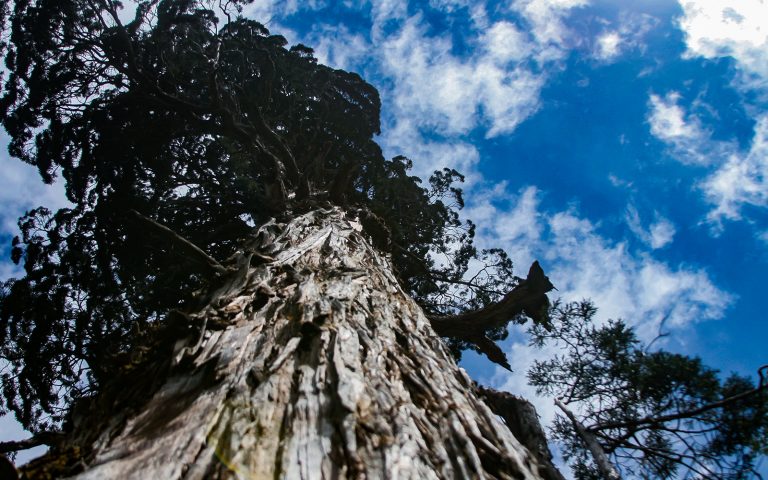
{"x": 622, "y": 144}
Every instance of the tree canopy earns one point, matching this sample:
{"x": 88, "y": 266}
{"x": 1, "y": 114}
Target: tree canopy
{"x": 656, "y": 414}
{"x": 190, "y": 118}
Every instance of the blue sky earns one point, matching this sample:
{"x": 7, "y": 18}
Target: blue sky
{"x": 623, "y": 144}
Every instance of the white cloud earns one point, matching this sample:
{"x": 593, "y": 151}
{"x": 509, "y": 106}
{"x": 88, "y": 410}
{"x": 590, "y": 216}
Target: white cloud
{"x": 736, "y": 178}
{"x": 608, "y": 46}
{"x": 629, "y": 33}
{"x": 404, "y": 139}
{"x": 722, "y": 28}
{"x": 742, "y": 179}
{"x": 339, "y": 48}
{"x": 506, "y": 43}
{"x": 517, "y": 226}
{"x": 450, "y": 95}
{"x": 683, "y": 132}
{"x": 584, "y": 264}
{"x": 22, "y": 189}
{"x": 441, "y": 93}
{"x": 262, "y": 11}
{"x": 662, "y": 233}
{"x": 383, "y": 11}
{"x": 667, "y": 119}
{"x": 719, "y": 28}
{"x": 545, "y": 18}
{"x": 658, "y": 235}
{"x": 265, "y": 10}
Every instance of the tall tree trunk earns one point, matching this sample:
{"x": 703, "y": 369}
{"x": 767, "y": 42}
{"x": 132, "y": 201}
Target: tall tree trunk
{"x": 310, "y": 362}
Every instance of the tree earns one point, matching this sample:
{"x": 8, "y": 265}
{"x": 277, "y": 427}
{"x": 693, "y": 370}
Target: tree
{"x": 244, "y": 286}
{"x": 654, "y": 414}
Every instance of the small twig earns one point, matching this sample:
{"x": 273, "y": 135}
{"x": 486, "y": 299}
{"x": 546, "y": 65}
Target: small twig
{"x": 196, "y": 252}
{"x": 661, "y": 333}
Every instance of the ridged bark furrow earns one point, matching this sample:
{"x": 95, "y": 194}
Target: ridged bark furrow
{"x": 326, "y": 369}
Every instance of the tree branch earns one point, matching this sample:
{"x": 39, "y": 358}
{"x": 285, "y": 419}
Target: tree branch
{"x": 679, "y": 415}
{"x": 528, "y": 297}
{"x": 604, "y": 465}
{"x": 491, "y": 350}
{"x": 197, "y": 254}
{"x": 42, "y": 438}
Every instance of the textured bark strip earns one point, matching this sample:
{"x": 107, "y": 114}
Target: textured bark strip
{"x": 327, "y": 369}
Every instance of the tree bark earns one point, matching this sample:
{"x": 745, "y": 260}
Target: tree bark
{"x": 313, "y": 365}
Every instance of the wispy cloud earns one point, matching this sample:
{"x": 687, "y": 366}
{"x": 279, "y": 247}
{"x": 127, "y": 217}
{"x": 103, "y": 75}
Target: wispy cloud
{"x": 721, "y": 28}
{"x": 443, "y": 91}
{"x": 608, "y": 46}
{"x": 682, "y": 131}
{"x": 628, "y": 33}
{"x": 452, "y": 95}
{"x": 21, "y": 189}
{"x": 736, "y": 178}
{"x": 338, "y": 47}
{"x": 404, "y": 138}
{"x": 546, "y": 20}
{"x": 741, "y": 180}
{"x": 585, "y": 264}
{"x": 658, "y": 234}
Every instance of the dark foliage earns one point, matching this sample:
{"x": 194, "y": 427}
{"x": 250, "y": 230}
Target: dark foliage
{"x": 205, "y": 122}
{"x": 657, "y": 414}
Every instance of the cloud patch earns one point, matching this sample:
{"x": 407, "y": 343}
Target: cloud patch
{"x": 683, "y": 132}
{"x": 736, "y": 178}
{"x": 546, "y": 19}
{"x": 658, "y": 235}
{"x": 582, "y": 263}
{"x": 21, "y": 190}
{"x": 724, "y": 28}
{"x": 628, "y": 34}
{"x": 742, "y": 180}
{"x": 608, "y": 46}
{"x": 450, "y": 95}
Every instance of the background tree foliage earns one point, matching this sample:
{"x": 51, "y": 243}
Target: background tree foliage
{"x": 208, "y": 124}
{"x": 656, "y": 414}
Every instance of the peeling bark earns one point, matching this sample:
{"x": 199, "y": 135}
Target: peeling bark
{"x": 313, "y": 365}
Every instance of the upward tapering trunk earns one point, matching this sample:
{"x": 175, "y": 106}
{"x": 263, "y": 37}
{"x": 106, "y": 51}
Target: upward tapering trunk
{"x": 313, "y": 363}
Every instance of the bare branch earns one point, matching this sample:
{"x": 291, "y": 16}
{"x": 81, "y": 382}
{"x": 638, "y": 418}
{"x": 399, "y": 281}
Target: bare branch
{"x": 680, "y": 415}
{"x": 42, "y": 438}
{"x": 196, "y": 253}
{"x": 606, "y": 468}
{"x": 528, "y": 297}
